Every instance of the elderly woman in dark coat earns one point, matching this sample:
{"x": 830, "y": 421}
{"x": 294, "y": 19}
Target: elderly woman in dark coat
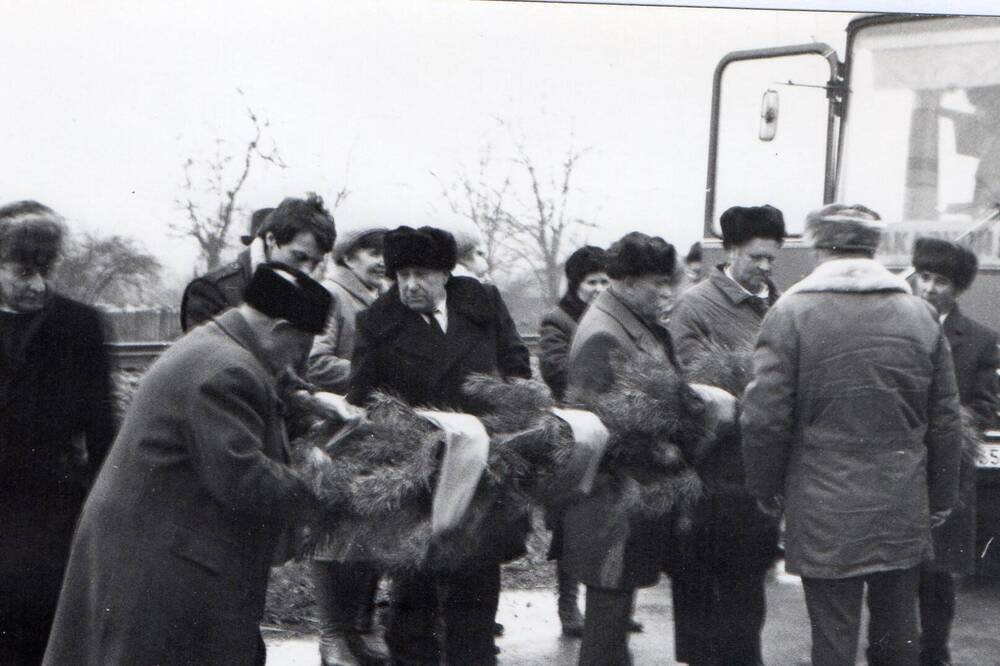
{"x": 586, "y": 279}
{"x": 56, "y": 424}
{"x": 420, "y": 341}
{"x": 611, "y": 552}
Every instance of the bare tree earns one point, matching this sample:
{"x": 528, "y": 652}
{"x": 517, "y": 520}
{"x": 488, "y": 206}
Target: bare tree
{"x": 543, "y": 226}
{"x": 480, "y": 199}
{"x": 108, "y": 269}
{"x": 224, "y": 175}
{"x": 522, "y": 209}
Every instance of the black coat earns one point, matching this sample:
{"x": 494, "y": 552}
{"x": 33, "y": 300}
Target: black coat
{"x": 398, "y": 352}
{"x": 56, "y": 424}
{"x": 974, "y": 352}
{"x": 210, "y": 294}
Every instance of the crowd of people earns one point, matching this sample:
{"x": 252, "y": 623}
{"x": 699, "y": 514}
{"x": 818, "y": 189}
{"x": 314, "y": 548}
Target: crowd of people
{"x": 151, "y": 541}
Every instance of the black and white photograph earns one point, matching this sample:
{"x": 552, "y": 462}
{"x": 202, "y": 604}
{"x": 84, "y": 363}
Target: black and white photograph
{"x": 500, "y": 333}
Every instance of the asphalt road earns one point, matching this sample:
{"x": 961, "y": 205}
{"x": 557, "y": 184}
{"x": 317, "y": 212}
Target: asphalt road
{"x": 533, "y": 637}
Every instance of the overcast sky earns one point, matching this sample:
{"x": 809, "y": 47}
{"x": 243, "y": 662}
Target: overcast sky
{"x": 105, "y": 100}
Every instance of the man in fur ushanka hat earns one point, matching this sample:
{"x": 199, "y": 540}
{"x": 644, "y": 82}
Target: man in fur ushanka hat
{"x": 718, "y": 590}
{"x": 944, "y": 270}
{"x": 420, "y": 341}
{"x": 197, "y": 497}
{"x": 852, "y": 422}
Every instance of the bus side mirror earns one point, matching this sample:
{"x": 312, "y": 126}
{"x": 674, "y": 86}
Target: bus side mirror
{"x": 768, "y": 116}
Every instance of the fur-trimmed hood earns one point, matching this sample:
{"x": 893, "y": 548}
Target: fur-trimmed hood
{"x": 850, "y": 275}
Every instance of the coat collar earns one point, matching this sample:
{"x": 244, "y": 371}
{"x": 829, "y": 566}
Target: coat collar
{"x": 956, "y": 325}
{"x": 850, "y": 276}
{"x": 639, "y": 332}
{"x": 466, "y": 297}
{"x": 346, "y": 279}
{"x": 236, "y": 327}
{"x": 733, "y": 291}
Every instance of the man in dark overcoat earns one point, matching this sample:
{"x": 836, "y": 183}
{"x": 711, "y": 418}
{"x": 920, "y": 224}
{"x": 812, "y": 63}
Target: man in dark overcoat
{"x": 420, "y": 341}
{"x": 297, "y": 233}
{"x": 853, "y": 419}
{"x": 610, "y": 551}
{"x": 944, "y": 270}
{"x": 174, "y": 546}
{"x": 719, "y": 567}
{"x": 56, "y": 424}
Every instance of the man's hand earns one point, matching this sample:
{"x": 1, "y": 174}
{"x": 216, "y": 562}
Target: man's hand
{"x": 333, "y": 406}
{"x": 939, "y": 517}
{"x": 721, "y": 404}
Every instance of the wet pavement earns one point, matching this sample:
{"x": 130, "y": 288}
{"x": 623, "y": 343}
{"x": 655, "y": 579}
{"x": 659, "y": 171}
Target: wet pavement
{"x": 533, "y": 636}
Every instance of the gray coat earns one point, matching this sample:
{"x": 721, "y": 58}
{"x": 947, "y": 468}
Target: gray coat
{"x": 171, "y": 556}
{"x": 718, "y": 312}
{"x": 603, "y": 545}
{"x": 853, "y": 416}
{"x": 330, "y": 359}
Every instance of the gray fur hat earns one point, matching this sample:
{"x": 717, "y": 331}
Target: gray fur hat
{"x": 845, "y": 228}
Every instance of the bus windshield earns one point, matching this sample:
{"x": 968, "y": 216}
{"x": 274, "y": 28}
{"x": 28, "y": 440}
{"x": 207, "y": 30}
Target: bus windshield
{"x": 922, "y": 133}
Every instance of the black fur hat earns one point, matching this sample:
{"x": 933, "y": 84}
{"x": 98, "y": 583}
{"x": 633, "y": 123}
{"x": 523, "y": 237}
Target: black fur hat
{"x": 588, "y": 259}
{"x": 283, "y": 292}
{"x": 953, "y": 261}
{"x": 694, "y": 253}
{"x": 741, "y": 224}
{"x": 426, "y": 247}
{"x": 637, "y": 254}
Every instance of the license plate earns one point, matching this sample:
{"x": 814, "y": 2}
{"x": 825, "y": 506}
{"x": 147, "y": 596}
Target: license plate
{"x": 989, "y": 456}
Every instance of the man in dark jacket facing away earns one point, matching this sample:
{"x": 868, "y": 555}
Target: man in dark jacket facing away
{"x": 56, "y": 424}
{"x": 175, "y": 543}
{"x": 297, "y": 233}
{"x": 853, "y": 419}
{"x": 718, "y": 573}
{"x": 420, "y": 341}
{"x": 944, "y": 270}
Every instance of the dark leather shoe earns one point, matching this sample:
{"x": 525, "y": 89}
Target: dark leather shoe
{"x": 635, "y": 627}
{"x": 498, "y": 629}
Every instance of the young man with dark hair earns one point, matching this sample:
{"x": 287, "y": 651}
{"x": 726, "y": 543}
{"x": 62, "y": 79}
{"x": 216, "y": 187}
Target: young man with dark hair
{"x": 56, "y": 424}
{"x": 297, "y": 233}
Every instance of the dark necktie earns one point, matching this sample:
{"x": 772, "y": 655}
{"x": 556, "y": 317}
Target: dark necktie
{"x": 435, "y": 324}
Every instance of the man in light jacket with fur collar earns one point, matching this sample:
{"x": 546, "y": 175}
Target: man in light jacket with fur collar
{"x": 852, "y": 421}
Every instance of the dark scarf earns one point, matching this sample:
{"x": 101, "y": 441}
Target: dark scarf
{"x": 572, "y": 305}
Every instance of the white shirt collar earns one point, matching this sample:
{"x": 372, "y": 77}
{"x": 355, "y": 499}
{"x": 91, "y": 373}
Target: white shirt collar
{"x": 764, "y": 292}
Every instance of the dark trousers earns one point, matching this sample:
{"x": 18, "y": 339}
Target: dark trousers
{"x": 605, "y": 627}
{"x": 937, "y": 610}
{"x": 834, "y": 607}
{"x": 345, "y": 592}
{"x": 466, "y": 603}
{"x": 719, "y": 616}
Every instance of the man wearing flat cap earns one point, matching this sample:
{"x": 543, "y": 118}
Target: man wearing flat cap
{"x": 420, "y": 341}
{"x": 719, "y": 573}
{"x": 172, "y": 552}
{"x": 297, "y": 233}
{"x": 852, "y": 420}
{"x": 344, "y": 583}
{"x": 944, "y": 270}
